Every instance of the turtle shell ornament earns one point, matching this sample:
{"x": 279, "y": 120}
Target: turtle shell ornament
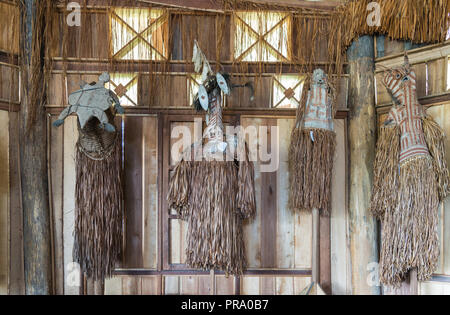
{"x": 93, "y": 100}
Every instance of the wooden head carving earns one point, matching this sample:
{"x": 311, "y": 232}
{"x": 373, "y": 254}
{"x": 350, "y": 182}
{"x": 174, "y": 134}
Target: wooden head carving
{"x": 402, "y": 83}
{"x": 319, "y": 110}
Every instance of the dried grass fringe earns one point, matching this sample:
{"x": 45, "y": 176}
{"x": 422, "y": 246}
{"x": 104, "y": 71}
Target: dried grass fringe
{"x": 311, "y": 169}
{"x": 415, "y": 20}
{"x": 435, "y": 138}
{"x": 409, "y": 236}
{"x": 214, "y": 198}
{"x": 385, "y": 172}
{"x": 98, "y": 213}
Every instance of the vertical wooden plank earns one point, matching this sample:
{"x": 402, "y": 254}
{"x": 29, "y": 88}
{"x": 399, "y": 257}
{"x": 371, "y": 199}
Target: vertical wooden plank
{"x": 303, "y": 240}
{"x": 16, "y": 268}
{"x": 133, "y": 192}
{"x": 441, "y": 233}
{"x": 165, "y": 163}
{"x": 9, "y": 28}
{"x": 175, "y": 242}
{"x": 113, "y": 286}
{"x": 204, "y": 285}
{"x": 446, "y": 238}
{"x": 4, "y": 204}
{"x": 150, "y": 168}
{"x": 269, "y": 209}
{"x": 150, "y": 285}
{"x": 441, "y": 114}
{"x": 284, "y": 286}
{"x": 286, "y": 221}
{"x": 437, "y": 81}
{"x": 183, "y": 240}
{"x": 300, "y": 283}
{"x": 252, "y": 230}
{"x": 250, "y": 286}
{"x": 339, "y": 221}
{"x": 325, "y": 254}
{"x": 434, "y": 288}
{"x": 267, "y": 285}
{"x": 56, "y": 170}
{"x": 224, "y": 285}
{"x": 315, "y": 265}
{"x": 55, "y": 93}
{"x": 70, "y": 139}
{"x": 171, "y": 285}
{"x": 421, "y": 73}
{"x": 131, "y": 285}
{"x": 189, "y": 285}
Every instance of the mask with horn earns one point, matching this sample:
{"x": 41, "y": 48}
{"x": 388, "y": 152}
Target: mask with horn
{"x": 209, "y": 98}
{"x": 410, "y": 179}
{"x": 212, "y": 194}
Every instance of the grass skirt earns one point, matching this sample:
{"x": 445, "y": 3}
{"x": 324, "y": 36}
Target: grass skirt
{"x": 409, "y": 237}
{"x": 311, "y": 156}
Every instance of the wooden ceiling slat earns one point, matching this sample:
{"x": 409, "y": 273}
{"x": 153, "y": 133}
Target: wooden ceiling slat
{"x": 215, "y": 6}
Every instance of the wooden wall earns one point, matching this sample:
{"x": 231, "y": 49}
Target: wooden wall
{"x": 11, "y": 252}
{"x": 4, "y": 197}
{"x": 9, "y": 27}
{"x": 11, "y": 255}
{"x": 278, "y": 242}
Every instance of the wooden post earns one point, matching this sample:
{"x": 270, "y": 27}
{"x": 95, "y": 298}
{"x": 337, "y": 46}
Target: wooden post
{"x": 362, "y": 131}
{"x": 315, "y": 246}
{"x": 413, "y": 282}
{"x": 33, "y": 161}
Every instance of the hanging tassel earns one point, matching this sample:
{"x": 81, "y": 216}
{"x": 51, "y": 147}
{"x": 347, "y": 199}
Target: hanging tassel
{"x": 435, "y": 139}
{"x": 246, "y": 196}
{"x": 98, "y": 212}
{"x": 409, "y": 237}
{"x": 179, "y": 189}
{"x": 311, "y": 157}
{"x": 385, "y": 183}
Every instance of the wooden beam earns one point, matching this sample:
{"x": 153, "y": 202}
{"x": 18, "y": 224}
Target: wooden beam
{"x": 99, "y": 66}
{"x": 33, "y": 159}
{"x": 188, "y": 111}
{"x": 217, "y": 7}
{"x": 10, "y": 59}
{"x": 200, "y": 5}
{"x": 318, "y": 5}
{"x": 187, "y": 272}
{"x": 362, "y": 131}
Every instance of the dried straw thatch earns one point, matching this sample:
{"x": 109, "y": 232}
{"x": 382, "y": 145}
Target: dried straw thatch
{"x": 406, "y": 198}
{"x": 434, "y": 136}
{"x": 385, "y": 171}
{"x": 98, "y": 201}
{"x": 311, "y": 169}
{"x": 409, "y": 237}
{"x": 414, "y": 20}
{"x": 214, "y": 197}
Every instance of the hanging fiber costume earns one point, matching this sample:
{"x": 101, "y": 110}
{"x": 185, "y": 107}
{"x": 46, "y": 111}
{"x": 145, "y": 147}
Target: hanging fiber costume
{"x": 410, "y": 179}
{"x": 212, "y": 188}
{"x": 311, "y": 152}
{"x": 98, "y": 199}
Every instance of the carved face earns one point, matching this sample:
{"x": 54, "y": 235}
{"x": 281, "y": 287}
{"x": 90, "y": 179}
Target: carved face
{"x": 400, "y": 81}
{"x": 319, "y": 78}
